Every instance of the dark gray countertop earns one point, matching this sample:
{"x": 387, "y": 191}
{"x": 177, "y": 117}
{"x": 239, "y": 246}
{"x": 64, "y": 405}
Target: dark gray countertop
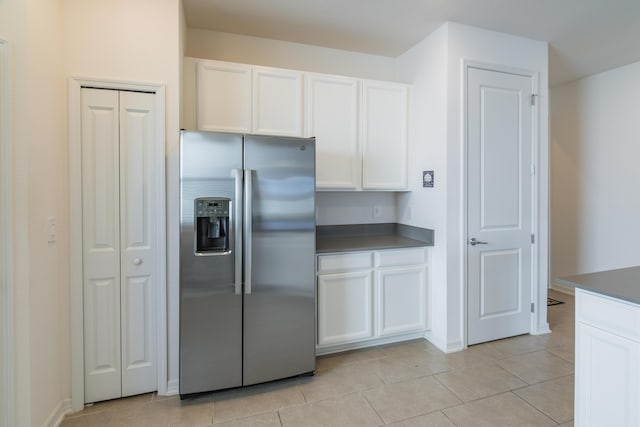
{"x": 623, "y": 283}
{"x": 361, "y": 237}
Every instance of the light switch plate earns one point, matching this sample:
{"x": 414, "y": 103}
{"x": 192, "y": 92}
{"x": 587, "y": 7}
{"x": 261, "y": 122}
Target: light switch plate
{"x": 51, "y": 229}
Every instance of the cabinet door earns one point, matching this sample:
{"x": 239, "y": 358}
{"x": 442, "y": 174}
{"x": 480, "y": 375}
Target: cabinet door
{"x": 277, "y": 102}
{"x": 345, "y": 303}
{"x": 223, "y": 93}
{"x": 607, "y": 378}
{"x": 402, "y": 299}
{"x": 332, "y": 117}
{"x": 384, "y": 135}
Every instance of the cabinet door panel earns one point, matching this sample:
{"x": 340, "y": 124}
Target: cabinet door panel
{"x": 607, "y": 378}
{"x": 345, "y": 304}
{"x": 277, "y": 102}
{"x": 402, "y": 300}
{"x": 384, "y": 136}
{"x": 223, "y": 93}
{"x": 332, "y": 117}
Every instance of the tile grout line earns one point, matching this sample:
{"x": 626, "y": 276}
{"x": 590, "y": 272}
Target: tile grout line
{"x": 373, "y": 407}
{"x": 532, "y": 406}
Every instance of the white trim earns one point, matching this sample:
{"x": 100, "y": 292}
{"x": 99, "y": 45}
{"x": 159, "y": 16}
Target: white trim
{"x": 563, "y": 288}
{"x": 538, "y": 292}
{"x": 6, "y": 242}
{"x": 75, "y": 214}
{"x": 330, "y": 349}
{"x": 57, "y": 415}
{"x": 173, "y": 388}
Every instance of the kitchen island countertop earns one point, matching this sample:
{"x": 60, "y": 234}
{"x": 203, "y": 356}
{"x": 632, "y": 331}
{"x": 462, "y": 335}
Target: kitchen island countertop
{"x": 623, "y": 283}
{"x": 362, "y": 237}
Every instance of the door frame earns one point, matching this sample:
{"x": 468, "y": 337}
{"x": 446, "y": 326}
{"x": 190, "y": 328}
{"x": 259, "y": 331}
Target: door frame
{"x": 6, "y": 245}
{"x": 536, "y": 296}
{"x": 75, "y": 229}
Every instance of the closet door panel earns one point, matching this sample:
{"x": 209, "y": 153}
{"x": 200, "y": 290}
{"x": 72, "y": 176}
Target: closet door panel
{"x": 138, "y": 243}
{"x": 101, "y": 243}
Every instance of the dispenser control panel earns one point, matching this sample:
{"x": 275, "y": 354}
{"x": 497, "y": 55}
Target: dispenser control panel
{"x": 212, "y": 226}
{"x": 208, "y": 207}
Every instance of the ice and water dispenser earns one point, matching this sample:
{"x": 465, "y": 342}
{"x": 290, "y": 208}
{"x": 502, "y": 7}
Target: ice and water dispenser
{"x": 212, "y": 225}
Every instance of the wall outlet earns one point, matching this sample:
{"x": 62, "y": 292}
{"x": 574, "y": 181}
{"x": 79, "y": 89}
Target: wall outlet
{"x": 377, "y": 211}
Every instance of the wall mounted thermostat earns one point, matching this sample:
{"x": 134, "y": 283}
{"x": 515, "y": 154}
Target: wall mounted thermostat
{"x": 427, "y": 178}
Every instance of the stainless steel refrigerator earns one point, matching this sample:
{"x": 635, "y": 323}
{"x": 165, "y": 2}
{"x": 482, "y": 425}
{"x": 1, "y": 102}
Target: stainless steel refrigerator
{"x": 247, "y": 259}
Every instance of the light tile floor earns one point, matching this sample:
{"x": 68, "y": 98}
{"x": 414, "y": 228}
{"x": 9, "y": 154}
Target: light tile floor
{"x": 521, "y": 381}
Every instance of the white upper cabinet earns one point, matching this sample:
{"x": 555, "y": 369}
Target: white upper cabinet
{"x": 332, "y": 117}
{"x": 384, "y": 135}
{"x": 361, "y": 126}
{"x": 277, "y": 102}
{"x": 223, "y": 96}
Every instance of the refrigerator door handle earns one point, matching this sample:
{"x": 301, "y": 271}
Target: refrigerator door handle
{"x": 248, "y": 208}
{"x": 237, "y": 219}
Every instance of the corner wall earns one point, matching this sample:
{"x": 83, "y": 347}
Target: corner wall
{"x": 40, "y": 278}
{"x": 425, "y": 67}
{"x": 435, "y": 67}
{"x": 594, "y": 156}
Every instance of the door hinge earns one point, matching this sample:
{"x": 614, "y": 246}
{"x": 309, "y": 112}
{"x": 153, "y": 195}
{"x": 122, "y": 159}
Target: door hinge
{"x": 533, "y": 99}
{"x": 533, "y": 239}
{"x": 533, "y": 307}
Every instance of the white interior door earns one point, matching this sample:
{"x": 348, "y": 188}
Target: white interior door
{"x": 119, "y": 247}
{"x": 499, "y": 201}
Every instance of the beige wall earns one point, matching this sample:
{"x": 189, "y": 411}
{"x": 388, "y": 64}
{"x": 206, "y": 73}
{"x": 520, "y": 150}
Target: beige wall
{"x": 38, "y": 142}
{"x": 594, "y": 204}
{"x": 50, "y": 40}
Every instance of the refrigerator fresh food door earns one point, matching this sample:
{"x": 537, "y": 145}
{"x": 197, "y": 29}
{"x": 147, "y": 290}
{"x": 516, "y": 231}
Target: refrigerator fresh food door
{"x": 279, "y": 300}
{"x": 210, "y": 261}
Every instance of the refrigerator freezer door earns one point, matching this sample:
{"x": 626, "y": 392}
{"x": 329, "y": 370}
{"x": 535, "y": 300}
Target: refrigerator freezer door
{"x": 210, "y": 307}
{"x": 279, "y": 306}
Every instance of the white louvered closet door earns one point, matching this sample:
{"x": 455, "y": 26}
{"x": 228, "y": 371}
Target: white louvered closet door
{"x": 119, "y": 247}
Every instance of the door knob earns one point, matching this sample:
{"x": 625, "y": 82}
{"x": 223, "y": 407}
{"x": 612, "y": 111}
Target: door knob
{"x": 137, "y": 261}
{"x": 473, "y": 241}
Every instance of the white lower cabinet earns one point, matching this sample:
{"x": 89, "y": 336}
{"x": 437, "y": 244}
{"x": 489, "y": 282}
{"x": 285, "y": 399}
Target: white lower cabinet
{"x": 402, "y": 299}
{"x": 607, "y": 380}
{"x": 346, "y": 312}
{"x": 371, "y": 297}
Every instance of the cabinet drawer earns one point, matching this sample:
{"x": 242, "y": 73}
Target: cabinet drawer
{"x": 345, "y": 262}
{"x": 612, "y": 315}
{"x": 390, "y": 258}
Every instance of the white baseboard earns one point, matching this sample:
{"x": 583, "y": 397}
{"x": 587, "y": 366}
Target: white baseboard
{"x": 454, "y": 346}
{"x": 543, "y": 330}
{"x": 173, "y": 387}
{"x": 562, "y": 288}
{"x": 57, "y": 415}
{"x": 368, "y": 343}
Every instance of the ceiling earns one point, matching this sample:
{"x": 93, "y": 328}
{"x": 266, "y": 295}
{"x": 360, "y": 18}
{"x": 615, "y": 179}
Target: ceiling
{"x": 585, "y": 36}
